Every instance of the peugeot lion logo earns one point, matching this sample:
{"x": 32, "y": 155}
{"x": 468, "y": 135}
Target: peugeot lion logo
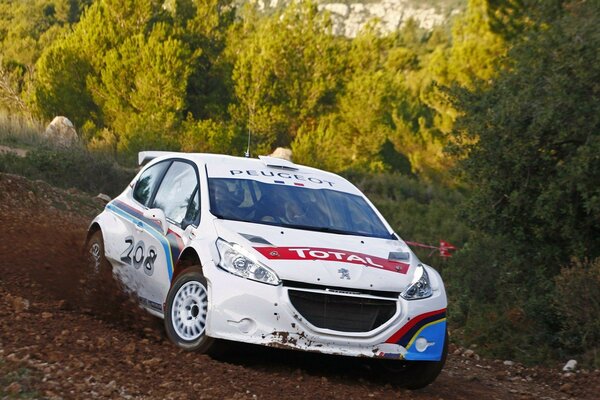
{"x": 344, "y": 273}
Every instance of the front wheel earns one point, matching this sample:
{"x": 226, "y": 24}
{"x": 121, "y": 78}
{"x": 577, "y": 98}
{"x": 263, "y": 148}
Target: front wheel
{"x": 187, "y": 311}
{"x": 417, "y": 374}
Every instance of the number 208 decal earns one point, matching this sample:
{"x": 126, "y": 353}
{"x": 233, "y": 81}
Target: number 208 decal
{"x": 137, "y": 255}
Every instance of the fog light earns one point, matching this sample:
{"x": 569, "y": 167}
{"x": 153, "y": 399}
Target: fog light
{"x": 421, "y": 344}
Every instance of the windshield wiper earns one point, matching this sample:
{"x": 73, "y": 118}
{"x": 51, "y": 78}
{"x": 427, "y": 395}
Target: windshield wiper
{"x": 321, "y": 229}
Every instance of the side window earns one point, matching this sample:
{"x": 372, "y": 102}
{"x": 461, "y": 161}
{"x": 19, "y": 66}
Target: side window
{"x": 177, "y": 195}
{"x": 148, "y": 181}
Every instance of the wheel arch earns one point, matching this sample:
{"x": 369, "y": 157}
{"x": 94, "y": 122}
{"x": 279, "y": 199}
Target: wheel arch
{"x": 188, "y": 258}
{"x": 94, "y": 227}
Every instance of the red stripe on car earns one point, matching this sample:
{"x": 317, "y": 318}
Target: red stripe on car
{"x": 409, "y": 325}
{"x": 323, "y": 254}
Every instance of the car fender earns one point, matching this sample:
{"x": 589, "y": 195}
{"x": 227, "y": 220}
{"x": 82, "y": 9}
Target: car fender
{"x": 113, "y": 230}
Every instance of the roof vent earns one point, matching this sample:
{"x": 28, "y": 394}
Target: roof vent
{"x": 278, "y": 163}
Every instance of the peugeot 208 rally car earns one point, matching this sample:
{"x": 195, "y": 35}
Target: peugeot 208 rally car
{"x": 268, "y": 252}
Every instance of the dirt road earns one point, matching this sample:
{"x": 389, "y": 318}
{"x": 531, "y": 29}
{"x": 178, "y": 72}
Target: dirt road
{"x": 56, "y": 342}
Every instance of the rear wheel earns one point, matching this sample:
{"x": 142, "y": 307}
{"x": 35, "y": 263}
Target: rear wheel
{"x": 187, "y": 311}
{"x": 99, "y": 270}
{"x": 417, "y": 374}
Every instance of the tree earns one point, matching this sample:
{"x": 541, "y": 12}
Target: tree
{"x": 26, "y": 28}
{"x": 286, "y": 73}
{"x": 132, "y": 71}
{"x": 531, "y": 145}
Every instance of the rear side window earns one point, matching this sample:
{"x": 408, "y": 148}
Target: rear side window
{"x": 177, "y": 195}
{"x": 147, "y": 182}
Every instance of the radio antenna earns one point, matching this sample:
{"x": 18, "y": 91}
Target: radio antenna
{"x": 247, "y": 154}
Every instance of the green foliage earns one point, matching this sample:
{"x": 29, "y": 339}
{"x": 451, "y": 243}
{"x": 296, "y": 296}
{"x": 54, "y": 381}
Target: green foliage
{"x": 20, "y": 132}
{"x": 417, "y": 211}
{"x": 213, "y": 136}
{"x": 131, "y": 76}
{"x": 530, "y": 143}
{"x": 60, "y": 84}
{"x": 287, "y": 70}
{"x": 129, "y": 65}
{"x": 577, "y": 300}
{"x": 536, "y": 140}
{"x": 27, "y": 27}
{"x": 72, "y": 167}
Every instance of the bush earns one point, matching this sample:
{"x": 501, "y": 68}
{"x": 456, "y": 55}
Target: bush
{"x": 577, "y": 301}
{"x": 501, "y": 302}
{"x": 72, "y": 167}
{"x": 19, "y": 131}
{"x": 418, "y": 211}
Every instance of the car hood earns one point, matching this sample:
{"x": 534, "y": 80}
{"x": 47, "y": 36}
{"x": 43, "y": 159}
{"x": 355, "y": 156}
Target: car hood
{"x": 327, "y": 259}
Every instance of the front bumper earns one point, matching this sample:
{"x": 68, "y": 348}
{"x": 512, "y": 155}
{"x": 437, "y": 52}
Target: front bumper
{"x": 246, "y": 311}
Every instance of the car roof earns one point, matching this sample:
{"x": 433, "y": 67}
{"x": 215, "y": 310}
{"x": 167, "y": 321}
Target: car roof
{"x": 243, "y": 163}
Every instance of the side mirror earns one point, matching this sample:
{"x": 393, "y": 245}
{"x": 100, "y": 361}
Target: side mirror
{"x": 157, "y": 214}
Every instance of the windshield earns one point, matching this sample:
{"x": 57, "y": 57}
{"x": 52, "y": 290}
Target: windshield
{"x": 323, "y": 210}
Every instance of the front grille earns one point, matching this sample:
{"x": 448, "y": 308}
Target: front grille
{"x": 304, "y": 285}
{"x": 342, "y": 313}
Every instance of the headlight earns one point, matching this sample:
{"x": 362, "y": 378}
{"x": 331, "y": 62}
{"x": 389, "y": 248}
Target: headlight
{"x": 420, "y": 288}
{"x": 236, "y": 260}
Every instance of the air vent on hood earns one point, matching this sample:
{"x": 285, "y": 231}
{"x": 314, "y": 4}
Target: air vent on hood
{"x": 256, "y": 239}
{"x": 399, "y": 256}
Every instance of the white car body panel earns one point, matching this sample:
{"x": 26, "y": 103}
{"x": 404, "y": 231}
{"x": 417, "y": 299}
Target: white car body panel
{"x": 316, "y": 263}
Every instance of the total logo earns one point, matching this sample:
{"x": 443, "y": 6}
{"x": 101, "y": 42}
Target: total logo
{"x": 335, "y": 255}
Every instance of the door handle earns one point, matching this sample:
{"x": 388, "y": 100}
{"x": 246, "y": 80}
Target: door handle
{"x": 139, "y": 227}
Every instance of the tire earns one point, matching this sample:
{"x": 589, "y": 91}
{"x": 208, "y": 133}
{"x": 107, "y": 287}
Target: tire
{"x": 187, "y": 311}
{"x": 415, "y": 375}
{"x": 99, "y": 271}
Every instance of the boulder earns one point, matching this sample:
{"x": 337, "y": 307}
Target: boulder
{"x": 571, "y": 365}
{"x": 282, "y": 152}
{"x": 61, "y": 132}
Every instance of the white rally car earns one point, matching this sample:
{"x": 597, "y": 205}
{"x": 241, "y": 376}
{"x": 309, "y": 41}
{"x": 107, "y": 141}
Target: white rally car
{"x": 269, "y": 252}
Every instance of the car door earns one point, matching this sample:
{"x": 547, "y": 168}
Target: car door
{"x": 126, "y": 250}
{"x": 178, "y": 197}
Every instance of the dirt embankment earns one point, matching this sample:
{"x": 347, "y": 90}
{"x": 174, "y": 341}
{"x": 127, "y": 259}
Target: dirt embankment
{"x": 58, "y": 342}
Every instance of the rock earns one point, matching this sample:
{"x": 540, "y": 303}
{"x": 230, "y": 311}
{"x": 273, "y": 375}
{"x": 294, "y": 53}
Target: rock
{"x": 20, "y": 304}
{"x": 336, "y": 8}
{"x": 566, "y": 387}
{"x": 104, "y": 197}
{"x": 509, "y": 363}
{"x": 350, "y": 18}
{"x": 571, "y": 365}
{"x": 10, "y": 150}
{"x": 14, "y": 388}
{"x": 469, "y": 353}
{"x": 61, "y": 131}
{"x": 152, "y": 362}
{"x": 282, "y": 152}
{"x": 129, "y": 349}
